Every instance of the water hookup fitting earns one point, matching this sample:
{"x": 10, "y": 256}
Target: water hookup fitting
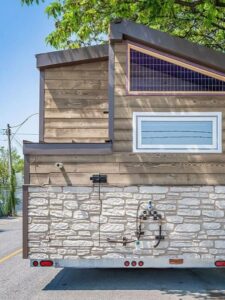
{"x": 146, "y": 214}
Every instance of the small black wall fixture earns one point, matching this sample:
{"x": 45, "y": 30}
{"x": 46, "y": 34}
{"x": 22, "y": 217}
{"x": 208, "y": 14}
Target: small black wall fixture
{"x": 98, "y": 178}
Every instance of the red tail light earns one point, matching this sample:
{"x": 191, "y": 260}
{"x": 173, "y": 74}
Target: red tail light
{"x": 35, "y": 263}
{"x": 220, "y": 263}
{"x": 141, "y": 263}
{"x": 46, "y": 263}
{"x": 134, "y": 263}
{"x": 126, "y": 263}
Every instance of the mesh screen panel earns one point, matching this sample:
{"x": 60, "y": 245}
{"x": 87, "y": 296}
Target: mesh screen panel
{"x": 148, "y": 73}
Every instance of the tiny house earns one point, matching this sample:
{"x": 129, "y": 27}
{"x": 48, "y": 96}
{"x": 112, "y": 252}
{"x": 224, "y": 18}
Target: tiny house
{"x": 129, "y": 170}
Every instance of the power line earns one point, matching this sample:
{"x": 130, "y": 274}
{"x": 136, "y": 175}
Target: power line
{"x": 18, "y": 142}
{"x": 21, "y": 124}
{"x": 24, "y": 120}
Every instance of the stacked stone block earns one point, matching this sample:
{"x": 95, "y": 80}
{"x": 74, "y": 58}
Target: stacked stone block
{"x": 72, "y": 223}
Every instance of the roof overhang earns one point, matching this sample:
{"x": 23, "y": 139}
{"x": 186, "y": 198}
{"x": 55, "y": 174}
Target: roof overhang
{"x": 167, "y": 43}
{"x": 30, "y": 148}
{"x": 68, "y": 57}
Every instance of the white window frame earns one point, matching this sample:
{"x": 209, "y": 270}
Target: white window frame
{"x": 215, "y": 117}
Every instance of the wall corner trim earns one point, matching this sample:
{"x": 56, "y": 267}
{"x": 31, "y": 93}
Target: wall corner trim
{"x": 41, "y": 106}
{"x": 25, "y": 205}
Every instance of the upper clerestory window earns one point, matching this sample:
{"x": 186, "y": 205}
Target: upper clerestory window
{"x": 150, "y": 72}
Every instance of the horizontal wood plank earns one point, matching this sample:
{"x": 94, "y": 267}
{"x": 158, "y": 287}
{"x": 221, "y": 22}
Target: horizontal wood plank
{"x": 77, "y": 104}
{"x": 127, "y": 146}
{"x": 76, "y": 84}
{"x": 130, "y": 157}
{"x": 75, "y": 133}
{"x": 75, "y": 113}
{"x": 75, "y": 94}
{"x": 109, "y": 168}
{"x": 128, "y": 179}
{"x": 172, "y": 102}
{"x": 131, "y": 168}
{"x": 76, "y": 123}
{"x": 90, "y": 66}
{"x": 62, "y": 140}
{"x": 128, "y": 111}
{"x": 73, "y": 75}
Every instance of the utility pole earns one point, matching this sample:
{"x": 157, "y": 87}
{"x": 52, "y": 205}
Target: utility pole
{"x": 8, "y": 133}
{"x": 11, "y": 196}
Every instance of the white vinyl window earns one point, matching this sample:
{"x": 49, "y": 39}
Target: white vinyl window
{"x": 177, "y": 132}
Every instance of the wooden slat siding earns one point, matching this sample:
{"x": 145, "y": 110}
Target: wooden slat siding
{"x": 128, "y": 111}
{"x": 132, "y": 168}
{"x": 120, "y": 68}
{"x": 166, "y": 102}
{"x": 52, "y": 113}
{"x": 72, "y": 75}
{"x": 76, "y": 94}
{"x": 76, "y": 133}
{"x": 73, "y": 96}
{"x": 150, "y": 168}
{"x": 76, "y": 123}
{"x": 120, "y": 57}
{"x": 128, "y": 179}
{"x": 83, "y": 84}
{"x": 130, "y": 157}
{"x": 77, "y": 104}
{"x": 92, "y": 66}
{"x": 110, "y": 168}
{"x": 127, "y": 146}
{"x": 74, "y": 140}
{"x": 123, "y": 167}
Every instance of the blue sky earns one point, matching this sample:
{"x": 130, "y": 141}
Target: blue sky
{"x": 22, "y": 35}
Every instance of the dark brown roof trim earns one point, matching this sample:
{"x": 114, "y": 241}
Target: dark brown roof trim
{"x": 65, "y": 57}
{"x": 167, "y": 43}
{"x": 66, "y": 149}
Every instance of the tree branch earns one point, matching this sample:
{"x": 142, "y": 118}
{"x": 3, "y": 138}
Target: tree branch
{"x": 218, "y": 26}
{"x": 189, "y": 4}
{"x": 219, "y": 3}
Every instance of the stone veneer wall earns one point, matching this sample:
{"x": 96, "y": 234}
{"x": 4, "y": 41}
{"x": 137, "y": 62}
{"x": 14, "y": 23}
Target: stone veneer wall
{"x": 64, "y": 221}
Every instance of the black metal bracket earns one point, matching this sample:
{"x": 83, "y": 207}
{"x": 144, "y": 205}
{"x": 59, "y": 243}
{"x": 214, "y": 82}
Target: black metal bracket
{"x": 98, "y": 178}
{"x": 124, "y": 241}
{"x": 159, "y": 237}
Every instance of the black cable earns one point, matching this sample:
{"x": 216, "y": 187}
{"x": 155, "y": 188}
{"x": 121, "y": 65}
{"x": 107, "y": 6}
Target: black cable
{"x": 160, "y": 236}
{"x": 100, "y": 213}
{"x": 18, "y": 125}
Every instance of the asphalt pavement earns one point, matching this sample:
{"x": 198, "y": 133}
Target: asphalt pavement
{"x": 20, "y": 282}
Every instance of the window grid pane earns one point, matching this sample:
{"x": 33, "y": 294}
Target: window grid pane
{"x": 148, "y": 73}
{"x": 176, "y": 132}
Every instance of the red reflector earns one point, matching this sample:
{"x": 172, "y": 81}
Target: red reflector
{"x": 46, "y": 263}
{"x": 35, "y": 263}
{"x": 133, "y": 263}
{"x": 126, "y": 263}
{"x": 220, "y": 263}
{"x": 141, "y": 263}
